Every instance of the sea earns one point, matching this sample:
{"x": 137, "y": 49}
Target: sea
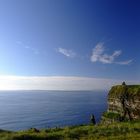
{"x": 20, "y": 110}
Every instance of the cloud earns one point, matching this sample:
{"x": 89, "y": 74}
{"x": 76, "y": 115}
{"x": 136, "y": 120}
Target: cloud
{"x": 125, "y": 62}
{"x": 99, "y": 55}
{"x": 57, "y": 83}
{"x": 67, "y": 53}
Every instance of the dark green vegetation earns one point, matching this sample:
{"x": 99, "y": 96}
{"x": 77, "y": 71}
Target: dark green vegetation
{"x": 111, "y": 115}
{"x": 122, "y": 89}
{"x": 114, "y": 131}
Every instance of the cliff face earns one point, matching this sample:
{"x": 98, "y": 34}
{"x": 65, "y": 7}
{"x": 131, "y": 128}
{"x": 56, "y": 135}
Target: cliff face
{"x": 123, "y": 103}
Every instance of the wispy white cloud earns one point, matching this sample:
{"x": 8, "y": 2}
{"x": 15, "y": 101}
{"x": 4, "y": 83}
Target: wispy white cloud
{"x": 125, "y": 62}
{"x": 66, "y": 52}
{"x": 57, "y": 83}
{"x": 34, "y": 50}
{"x": 99, "y": 55}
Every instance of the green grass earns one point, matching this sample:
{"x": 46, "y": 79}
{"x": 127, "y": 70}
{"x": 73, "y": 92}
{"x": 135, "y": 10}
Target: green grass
{"x": 111, "y": 115}
{"x": 131, "y": 90}
{"x": 115, "y": 131}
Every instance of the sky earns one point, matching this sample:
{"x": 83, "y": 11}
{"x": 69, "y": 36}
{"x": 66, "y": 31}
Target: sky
{"x": 69, "y": 44}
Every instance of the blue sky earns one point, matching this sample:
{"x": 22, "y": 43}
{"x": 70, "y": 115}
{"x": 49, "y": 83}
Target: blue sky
{"x": 70, "y": 38}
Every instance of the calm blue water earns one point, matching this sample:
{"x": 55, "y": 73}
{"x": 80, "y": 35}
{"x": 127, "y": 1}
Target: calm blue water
{"x": 42, "y": 109}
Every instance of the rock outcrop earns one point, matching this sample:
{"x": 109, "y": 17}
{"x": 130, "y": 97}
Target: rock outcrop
{"x": 123, "y": 103}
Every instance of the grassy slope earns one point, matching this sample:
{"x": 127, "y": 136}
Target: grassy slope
{"x": 121, "y": 131}
{"x": 118, "y": 90}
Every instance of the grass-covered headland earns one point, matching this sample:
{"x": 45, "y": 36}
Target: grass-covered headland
{"x": 114, "y": 131}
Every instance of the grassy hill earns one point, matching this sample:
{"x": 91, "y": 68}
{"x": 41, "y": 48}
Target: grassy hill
{"x": 115, "y": 131}
{"x": 118, "y": 90}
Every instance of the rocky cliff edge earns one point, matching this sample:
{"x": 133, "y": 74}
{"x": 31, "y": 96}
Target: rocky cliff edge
{"x": 123, "y": 103}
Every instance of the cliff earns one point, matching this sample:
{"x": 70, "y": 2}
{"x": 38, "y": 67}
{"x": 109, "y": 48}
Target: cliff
{"x": 123, "y": 103}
